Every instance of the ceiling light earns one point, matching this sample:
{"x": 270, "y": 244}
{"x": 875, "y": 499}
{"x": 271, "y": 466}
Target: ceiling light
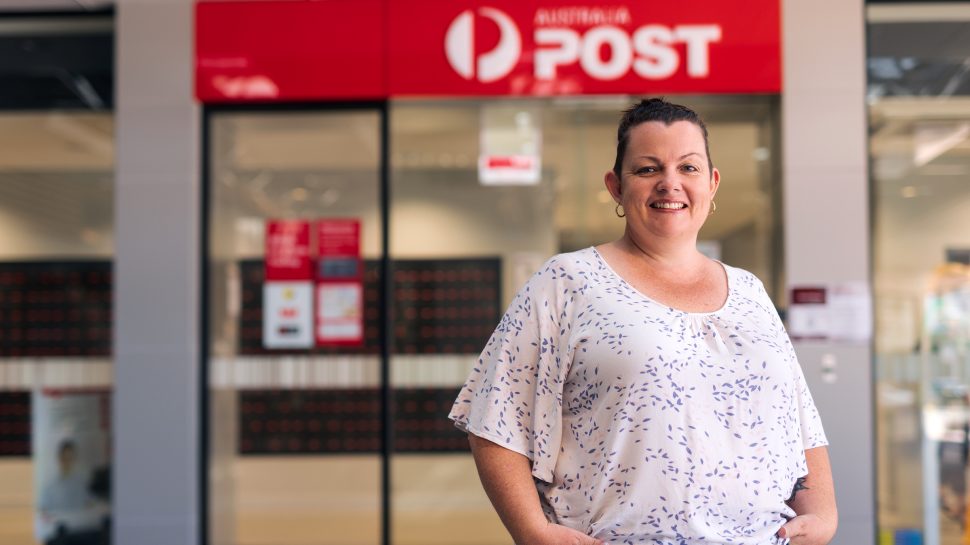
{"x": 934, "y": 139}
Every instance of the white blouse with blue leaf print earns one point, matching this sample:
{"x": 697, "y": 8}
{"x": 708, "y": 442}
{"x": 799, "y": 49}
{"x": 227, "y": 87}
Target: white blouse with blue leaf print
{"x": 646, "y": 424}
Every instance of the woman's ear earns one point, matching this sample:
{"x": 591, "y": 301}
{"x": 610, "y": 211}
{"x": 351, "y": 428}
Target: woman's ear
{"x": 613, "y": 185}
{"x": 715, "y": 181}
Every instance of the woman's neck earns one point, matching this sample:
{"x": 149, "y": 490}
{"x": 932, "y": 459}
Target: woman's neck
{"x": 663, "y": 255}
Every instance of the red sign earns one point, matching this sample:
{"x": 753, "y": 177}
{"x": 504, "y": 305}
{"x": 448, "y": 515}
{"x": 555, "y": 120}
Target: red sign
{"x": 288, "y": 250}
{"x": 338, "y": 238}
{"x": 289, "y": 50}
{"x": 376, "y": 49}
{"x": 510, "y": 161}
{"x": 808, "y": 296}
{"x": 509, "y": 47}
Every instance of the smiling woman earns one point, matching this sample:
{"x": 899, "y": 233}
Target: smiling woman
{"x": 617, "y": 367}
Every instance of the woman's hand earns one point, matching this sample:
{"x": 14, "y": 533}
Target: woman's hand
{"x": 554, "y": 534}
{"x": 813, "y": 501}
{"x": 807, "y": 529}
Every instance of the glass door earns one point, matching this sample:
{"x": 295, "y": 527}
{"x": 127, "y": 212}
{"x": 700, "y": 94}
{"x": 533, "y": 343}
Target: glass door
{"x": 919, "y": 144}
{"x": 294, "y": 394}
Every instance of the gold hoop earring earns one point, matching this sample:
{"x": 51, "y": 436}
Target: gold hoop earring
{"x": 617, "y": 211}
{"x": 713, "y": 208}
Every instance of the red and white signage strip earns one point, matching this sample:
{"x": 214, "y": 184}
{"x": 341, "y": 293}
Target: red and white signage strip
{"x": 340, "y": 283}
{"x": 508, "y": 169}
{"x": 339, "y": 49}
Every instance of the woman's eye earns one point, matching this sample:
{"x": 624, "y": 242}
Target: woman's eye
{"x": 646, "y": 170}
{"x": 689, "y": 168}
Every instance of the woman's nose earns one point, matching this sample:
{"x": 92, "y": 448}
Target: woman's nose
{"x": 669, "y": 182}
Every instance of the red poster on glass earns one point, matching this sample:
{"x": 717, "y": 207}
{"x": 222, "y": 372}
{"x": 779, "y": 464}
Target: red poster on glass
{"x": 288, "y": 250}
{"x": 339, "y": 290}
{"x": 288, "y": 285}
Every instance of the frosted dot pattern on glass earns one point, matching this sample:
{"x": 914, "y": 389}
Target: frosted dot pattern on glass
{"x": 646, "y": 424}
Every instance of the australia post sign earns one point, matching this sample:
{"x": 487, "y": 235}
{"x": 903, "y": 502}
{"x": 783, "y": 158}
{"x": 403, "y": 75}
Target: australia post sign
{"x": 498, "y": 47}
{"x": 543, "y": 48}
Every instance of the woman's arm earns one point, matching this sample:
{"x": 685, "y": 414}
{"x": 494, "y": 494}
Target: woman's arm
{"x": 814, "y": 503}
{"x": 507, "y": 478}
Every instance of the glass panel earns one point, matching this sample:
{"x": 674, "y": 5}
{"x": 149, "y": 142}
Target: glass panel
{"x": 919, "y": 127}
{"x": 461, "y": 249}
{"x": 295, "y": 433}
{"x": 56, "y": 248}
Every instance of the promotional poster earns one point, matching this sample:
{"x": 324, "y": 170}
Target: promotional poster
{"x": 71, "y": 447}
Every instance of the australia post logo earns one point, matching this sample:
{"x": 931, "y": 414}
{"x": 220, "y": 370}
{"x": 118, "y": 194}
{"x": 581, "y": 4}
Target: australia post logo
{"x": 488, "y": 66}
{"x": 602, "y": 41}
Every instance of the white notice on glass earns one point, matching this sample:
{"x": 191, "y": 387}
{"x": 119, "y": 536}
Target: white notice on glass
{"x": 850, "y": 312}
{"x": 288, "y": 315}
{"x": 340, "y": 314}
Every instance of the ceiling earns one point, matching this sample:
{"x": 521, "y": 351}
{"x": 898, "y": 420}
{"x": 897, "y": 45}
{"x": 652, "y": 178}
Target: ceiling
{"x": 62, "y": 61}
{"x": 917, "y": 141}
{"x": 54, "y": 5}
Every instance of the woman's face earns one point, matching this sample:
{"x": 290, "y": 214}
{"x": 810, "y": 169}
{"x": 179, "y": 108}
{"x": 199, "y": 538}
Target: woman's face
{"x": 666, "y": 187}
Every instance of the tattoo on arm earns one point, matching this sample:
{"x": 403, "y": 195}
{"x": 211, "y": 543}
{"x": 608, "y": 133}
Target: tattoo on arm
{"x": 799, "y": 485}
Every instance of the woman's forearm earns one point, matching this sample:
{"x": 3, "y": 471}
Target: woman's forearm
{"x": 507, "y": 478}
{"x": 817, "y": 495}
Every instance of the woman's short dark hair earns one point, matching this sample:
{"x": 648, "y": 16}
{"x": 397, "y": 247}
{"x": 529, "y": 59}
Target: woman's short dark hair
{"x": 655, "y": 109}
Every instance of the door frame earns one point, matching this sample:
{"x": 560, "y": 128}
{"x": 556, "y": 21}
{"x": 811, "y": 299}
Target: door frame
{"x": 384, "y": 198}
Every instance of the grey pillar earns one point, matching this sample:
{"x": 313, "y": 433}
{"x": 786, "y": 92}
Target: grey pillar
{"x": 827, "y": 238}
{"x": 156, "y": 279}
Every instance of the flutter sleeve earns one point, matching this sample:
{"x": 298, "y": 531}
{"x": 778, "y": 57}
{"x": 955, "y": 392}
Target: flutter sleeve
{"x": 810, "y": 423}
{"x": 513, "y": 396}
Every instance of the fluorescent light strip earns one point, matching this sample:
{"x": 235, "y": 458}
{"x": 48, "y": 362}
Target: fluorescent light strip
{"x": 918, "y": 13}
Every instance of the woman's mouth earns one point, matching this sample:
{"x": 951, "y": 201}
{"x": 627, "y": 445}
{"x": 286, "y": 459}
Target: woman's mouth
{"x": 668, "y": 205}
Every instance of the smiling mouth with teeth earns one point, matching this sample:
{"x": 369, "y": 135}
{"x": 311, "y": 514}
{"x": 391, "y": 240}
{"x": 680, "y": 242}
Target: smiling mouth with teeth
{"x": 669, "y": 205}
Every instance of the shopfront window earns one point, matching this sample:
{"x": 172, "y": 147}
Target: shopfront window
{"x": 56, "y": 247}
{"x": 919, "y": 108}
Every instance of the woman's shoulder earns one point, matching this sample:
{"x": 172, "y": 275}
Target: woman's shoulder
{"x": 742, "y": 278}
{"x": 748, "y": 285}
{"x": 564, "y": 271}
{"x": 570, "y": 265}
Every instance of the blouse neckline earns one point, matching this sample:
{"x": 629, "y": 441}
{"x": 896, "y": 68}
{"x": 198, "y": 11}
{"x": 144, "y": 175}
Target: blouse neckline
{"x": 623, "y": 281}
